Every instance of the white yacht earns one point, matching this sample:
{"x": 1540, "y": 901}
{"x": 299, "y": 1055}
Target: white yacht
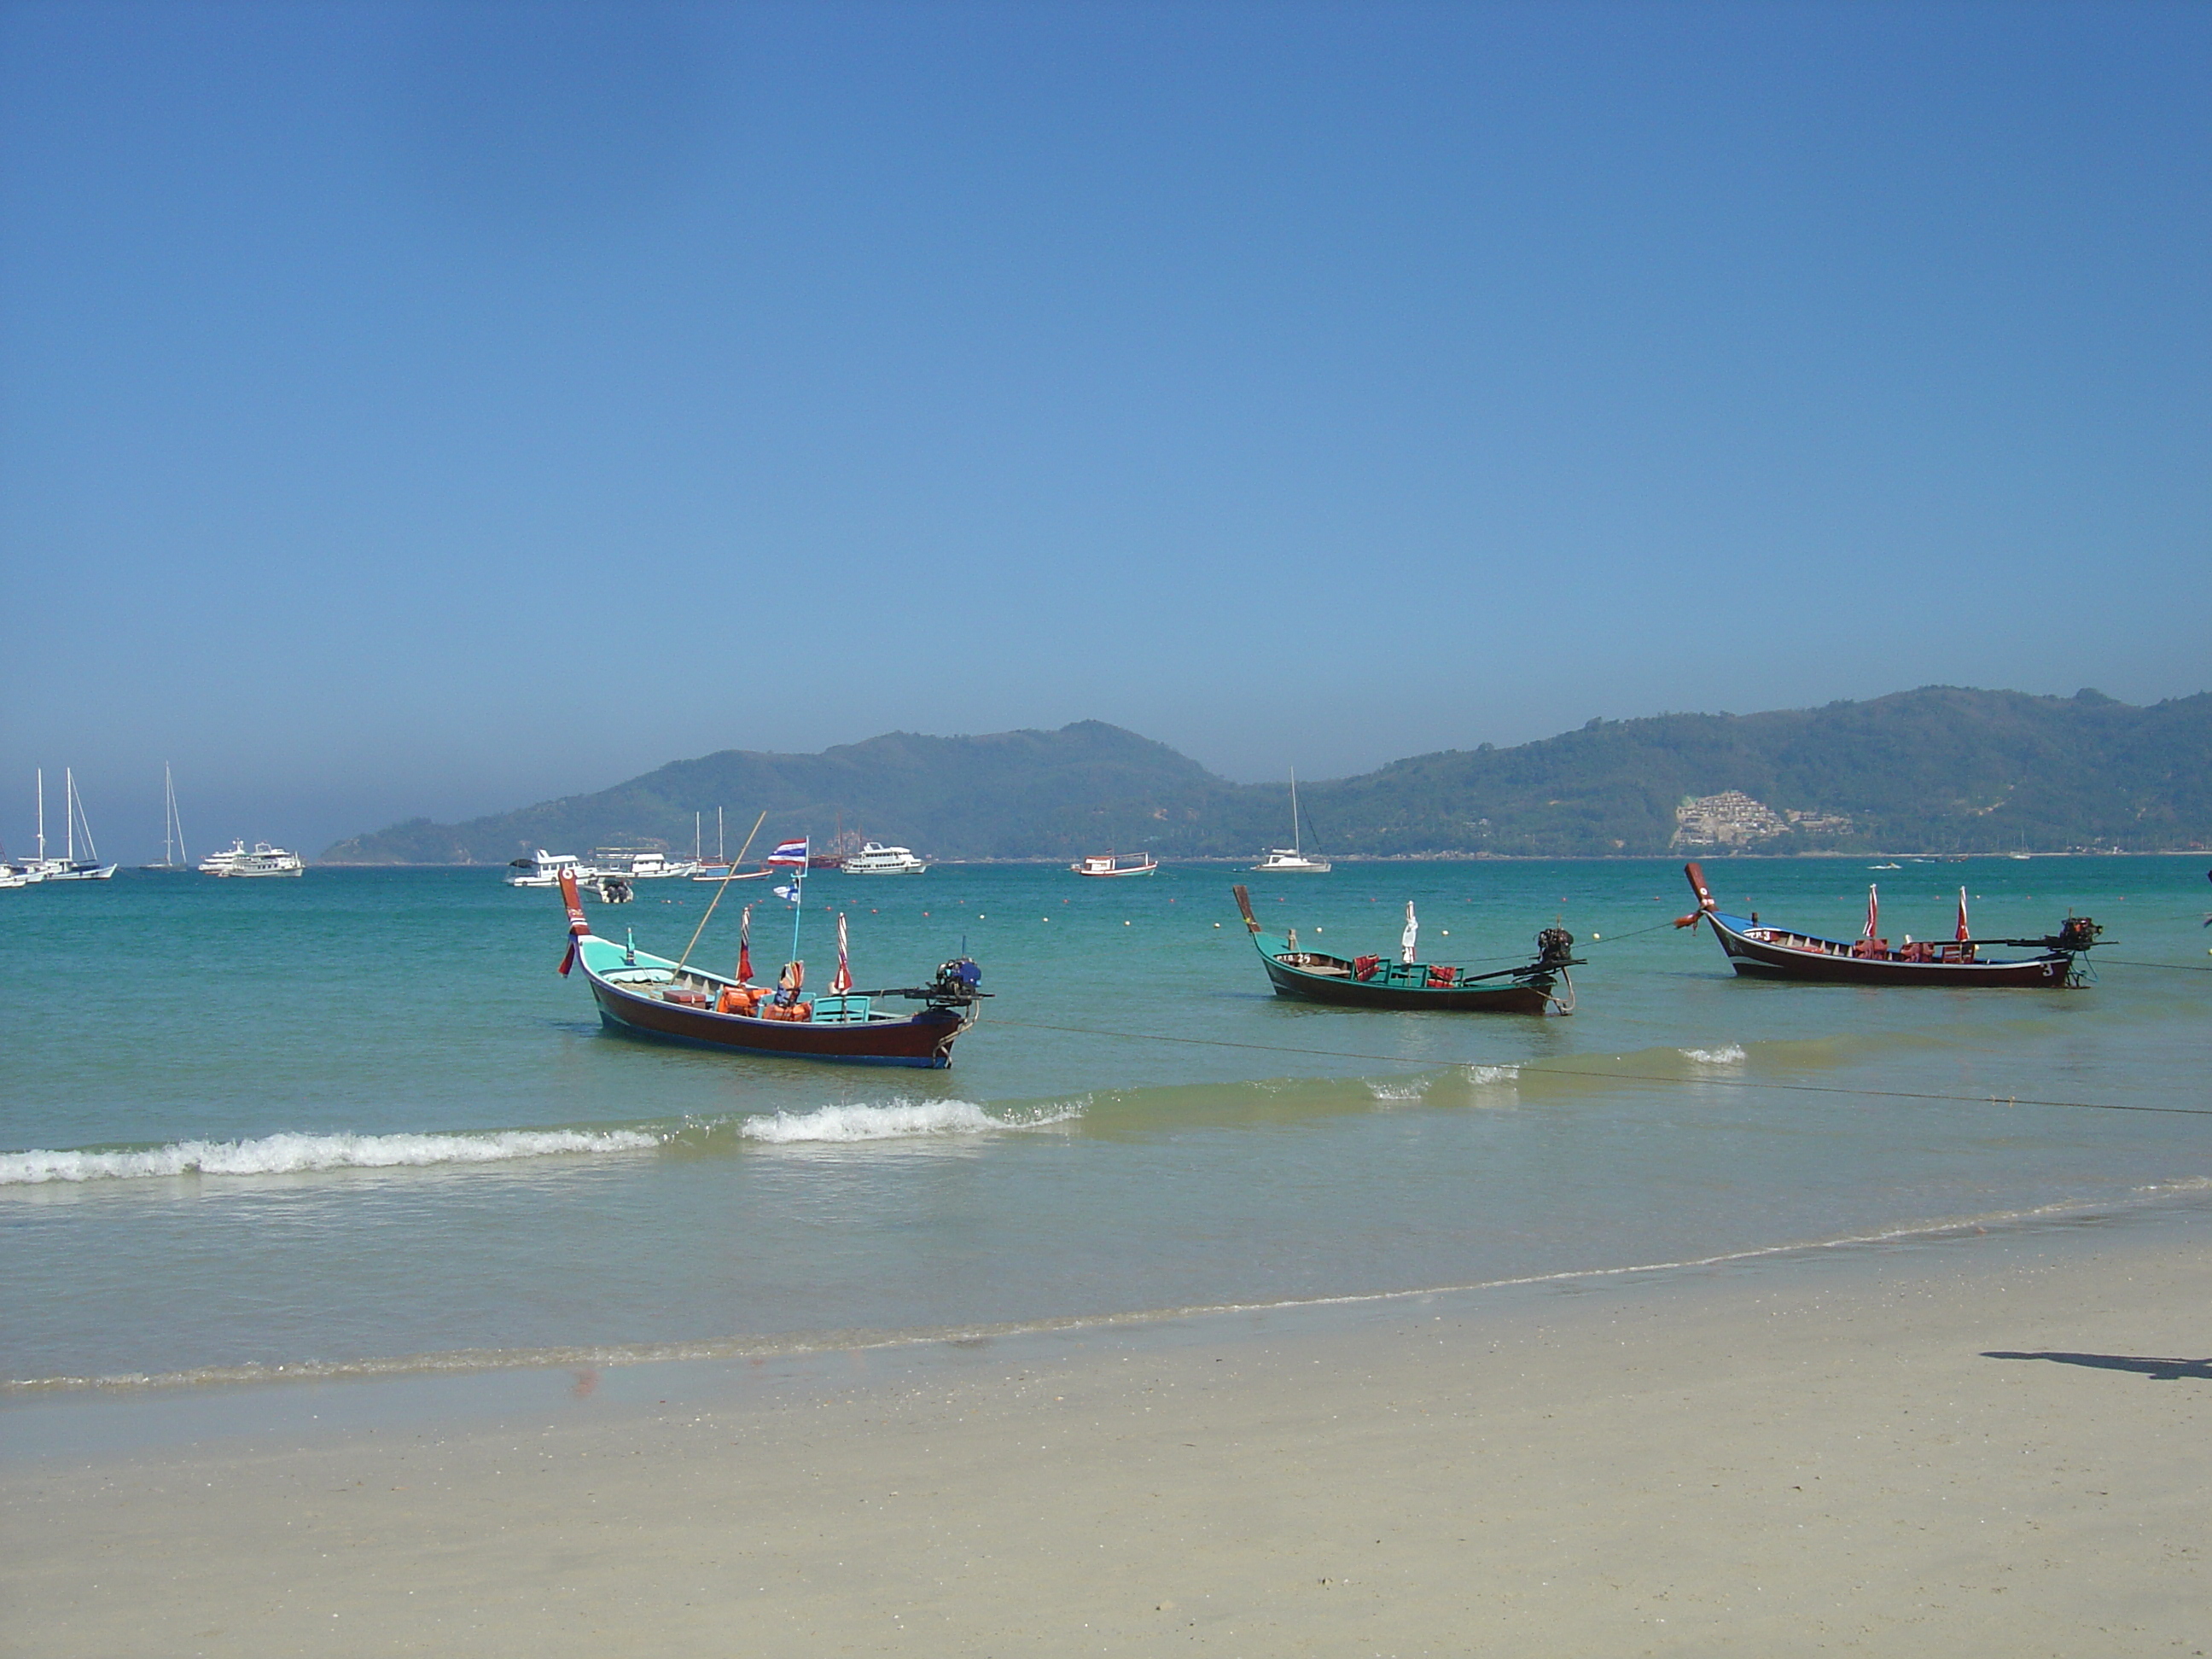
{"x": 874, "y": 858}
{"x": 1291, "y": 860}
{"x": 68, "y": 866}
{"x": 542, "y": 871}
{"x": 262, "y": 861}
{"x": 640, "y": 864}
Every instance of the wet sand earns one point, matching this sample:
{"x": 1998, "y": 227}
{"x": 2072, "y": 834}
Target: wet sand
{"x": 1810, "y": 1454}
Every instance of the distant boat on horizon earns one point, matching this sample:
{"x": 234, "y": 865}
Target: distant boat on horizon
{"x": 874, "y": 858}
{"x": 262, "y": 861}
{"x": 1291, "y": 860}
{"x": 68, "y": 866}
{"x": 1106, "y": 863}
{"x": 173, "y": 856}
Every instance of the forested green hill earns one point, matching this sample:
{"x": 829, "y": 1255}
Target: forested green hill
{"x": 1939, "y": 770}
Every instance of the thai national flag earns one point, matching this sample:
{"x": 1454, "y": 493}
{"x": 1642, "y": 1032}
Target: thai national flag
{"x": 791, "y": 852}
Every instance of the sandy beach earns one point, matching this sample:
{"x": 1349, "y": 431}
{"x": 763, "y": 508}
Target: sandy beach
{"x": 1823, "y": 1452}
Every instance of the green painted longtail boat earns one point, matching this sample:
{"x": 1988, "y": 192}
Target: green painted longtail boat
{"x": 1539, "y": 987}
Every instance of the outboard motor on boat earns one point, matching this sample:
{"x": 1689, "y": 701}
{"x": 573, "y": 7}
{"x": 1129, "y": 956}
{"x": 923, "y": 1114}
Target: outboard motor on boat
{"x": 956, "y": 981}
{"x": 2075, "y": 933}
{"x": 1555, "y": 948}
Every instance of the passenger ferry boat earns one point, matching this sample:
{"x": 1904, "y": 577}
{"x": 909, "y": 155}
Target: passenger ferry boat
{"x": 262, "y": 861}
{"x": 1105, "y": 864}
{"x": 874, "y": 858}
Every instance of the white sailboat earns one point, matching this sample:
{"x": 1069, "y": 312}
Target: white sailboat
{"x": 1291, "y": 860}
{"x": 173, "y": 856}
{"x": 68, "y": 866}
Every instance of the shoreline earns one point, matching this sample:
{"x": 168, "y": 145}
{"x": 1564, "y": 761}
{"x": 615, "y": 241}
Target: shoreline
{"x": 1970, "y": 1440}
{"x": 259, "y": 1376}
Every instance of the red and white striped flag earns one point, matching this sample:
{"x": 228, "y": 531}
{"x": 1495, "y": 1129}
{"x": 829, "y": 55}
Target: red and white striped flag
{"x": 1873, "y": 912}
{"x": 842, "y": 982}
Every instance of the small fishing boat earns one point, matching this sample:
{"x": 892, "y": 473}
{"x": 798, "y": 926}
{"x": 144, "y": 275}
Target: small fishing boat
{"x": 653, "y": 996}
{"x": 1371, "y": 982}
{"x": 1757, "y": 950}
{"x": 1105, "y": 864}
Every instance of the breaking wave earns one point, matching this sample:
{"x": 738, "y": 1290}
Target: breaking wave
{"x": 1731, "y": 1055}
{"x": 286, "y": 1154}
{"x": 1493, "y": 1075}
{"x": 1414, "y": 1089}
{"x": 895, "y": 1119}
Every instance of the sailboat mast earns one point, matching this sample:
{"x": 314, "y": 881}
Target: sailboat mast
{"x": 1298, "y": 847}
{"x": 42, "y": 812}
{"x": 717, "y": 835}
{"x": 176, "y": 818}
{"x": 69, "y": 813}
{"x": 168, "y": 815}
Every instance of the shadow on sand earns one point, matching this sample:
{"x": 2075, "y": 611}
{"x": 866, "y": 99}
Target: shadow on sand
{"x": 2164, "y": 1370}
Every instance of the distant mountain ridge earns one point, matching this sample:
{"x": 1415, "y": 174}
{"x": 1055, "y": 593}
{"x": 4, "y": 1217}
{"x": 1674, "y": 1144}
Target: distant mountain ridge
{"x": 1941, "y": 769}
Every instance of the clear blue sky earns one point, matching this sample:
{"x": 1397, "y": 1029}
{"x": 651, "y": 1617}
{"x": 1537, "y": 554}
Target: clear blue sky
{"x": 431, "y": 409}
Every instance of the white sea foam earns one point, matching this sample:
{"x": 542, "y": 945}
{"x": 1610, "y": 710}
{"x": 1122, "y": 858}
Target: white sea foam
{"x": 895, "y": 1119}
{"x": 1493, "y": 1074}
{"x": 286, "y": 1154}
{"x": 1414, "y": 1091}
{"x": 1731, "y": 1055}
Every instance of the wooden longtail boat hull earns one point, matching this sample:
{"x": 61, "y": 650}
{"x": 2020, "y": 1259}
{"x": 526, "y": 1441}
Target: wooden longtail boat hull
{"x": 1759, "y": 951}
{"x": 1534, "y": 995}
{"x": 925, "y": 1039}
{"x": 632, "y": 991}
{"x": 1833, "y": 964}
{"x": 1312, "y": 977}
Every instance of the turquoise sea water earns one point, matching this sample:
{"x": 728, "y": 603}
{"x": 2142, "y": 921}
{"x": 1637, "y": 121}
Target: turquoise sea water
{"x": 356, "y": 1121}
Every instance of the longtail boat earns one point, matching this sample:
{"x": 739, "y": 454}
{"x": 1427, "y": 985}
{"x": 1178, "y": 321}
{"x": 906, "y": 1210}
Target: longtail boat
{"x": 1368, "y": 982}
{"x": 653, "y": 996}
{"x": 1758, "y": 950}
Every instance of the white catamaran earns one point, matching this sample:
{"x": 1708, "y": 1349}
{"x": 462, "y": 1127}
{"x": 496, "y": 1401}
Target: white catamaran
{"x": 1291, "y": 860}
